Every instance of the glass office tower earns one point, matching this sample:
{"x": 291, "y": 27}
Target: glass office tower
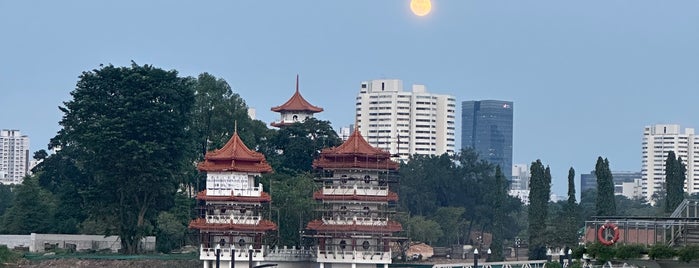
{"x": 487, "y": 127}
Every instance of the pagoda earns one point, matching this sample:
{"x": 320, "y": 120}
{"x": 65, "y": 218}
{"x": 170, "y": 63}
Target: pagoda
{"x": 356, "y": 205}
{"x": 296, "y": 109}
{"x": 231, "y": 223}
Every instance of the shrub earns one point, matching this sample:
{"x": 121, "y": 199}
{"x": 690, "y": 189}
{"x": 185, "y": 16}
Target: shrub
{"x": 626, "y": 252}
{"x": 553, "y": 264}
{"x": 688, "y": 253}
{"x": 661, "y": 252}
{"x": 6, "y": 255}
{"x": 602, "y": 253}
{"x": 578, "y": 252}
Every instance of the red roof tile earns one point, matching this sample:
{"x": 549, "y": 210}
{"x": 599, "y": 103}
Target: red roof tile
{"x": 263, "y": 225}
{"x": 297, "y": 103}
{"x": 235, "y": 156}
{"x": 319, "y": 226}
{"x": 265, "y": 197}
{"x": 355, "y": 152}
{"x": 318, "y": 195}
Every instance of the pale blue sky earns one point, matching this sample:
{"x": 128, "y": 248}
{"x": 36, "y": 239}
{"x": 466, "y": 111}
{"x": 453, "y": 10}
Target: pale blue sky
{"x": 585, "y": 76}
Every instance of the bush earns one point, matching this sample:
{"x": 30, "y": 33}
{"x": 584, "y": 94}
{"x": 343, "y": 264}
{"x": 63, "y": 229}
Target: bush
{"x": 661, "y": 252}
{"x": 6, "y": 255}
{"x": 688, "y": 253}
{"x": 626, "y": 252}
{"x": 553, "y": 264}
{"x": 602, "y": 253}
{"x": 578, "y": 252}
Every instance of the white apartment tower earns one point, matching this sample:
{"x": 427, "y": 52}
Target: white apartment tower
{"x": 658, "y": 140}
{"x": 405, "y": 123}
{"x": 14, "y": 155}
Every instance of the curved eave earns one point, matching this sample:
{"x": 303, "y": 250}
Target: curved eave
{"x": 358, "y": 164}
{"x": 264, "y": 198}
{"x": 261, "y": 167}
{"x": 262, "y": 226}
{"x": 391, "y": 197}
{"x": 280, "y": 124}
{"x": 319, "y": 226}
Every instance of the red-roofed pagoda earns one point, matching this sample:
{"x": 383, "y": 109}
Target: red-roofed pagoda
{"x": 296, "y": 109}
{"x": 356, "y": 204}
{"x": 231, "y": 208}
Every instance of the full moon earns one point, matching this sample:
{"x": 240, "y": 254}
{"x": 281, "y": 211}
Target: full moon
{"x": 420, "y": 7}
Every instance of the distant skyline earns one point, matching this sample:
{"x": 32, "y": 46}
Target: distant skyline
{"x": 586, "y": 76}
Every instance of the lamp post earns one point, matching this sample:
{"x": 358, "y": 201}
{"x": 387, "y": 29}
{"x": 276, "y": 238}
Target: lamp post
{"x": 218, "y": 255}
{"x": 475, "y": 258}
{"x": 489, "y": 252}
{"x": 560, "y": 256}
{"x": 548, "y": 255}
{"x": 250, "y": 250}
{"x": 232, "y": 255}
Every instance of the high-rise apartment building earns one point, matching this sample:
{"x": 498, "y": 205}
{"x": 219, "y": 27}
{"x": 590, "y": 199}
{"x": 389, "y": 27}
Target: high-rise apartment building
{"x": 14, "y": 156}
{"x": 626, "y": 183}
{"x": 405, "y": 123}
{"x": 658, "y": 141}
{"x": 487, "y": 128}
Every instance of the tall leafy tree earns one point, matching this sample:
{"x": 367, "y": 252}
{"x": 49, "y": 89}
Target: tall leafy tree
{"x": 292, "y": 204}
{"x": 295, "y": 146}
{"x": 570, "y": 220}
{"x": 31, "y": 211}
{"x": 539, "y": 195}
{"x": 675, "y": 175}
{"x": 499, "y": 197}
{"x": 127, "y": 127}
{"x": 605, "y": 203}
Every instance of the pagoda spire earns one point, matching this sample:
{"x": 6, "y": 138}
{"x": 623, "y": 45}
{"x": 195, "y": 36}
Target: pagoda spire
{"x": 297, "y": 83}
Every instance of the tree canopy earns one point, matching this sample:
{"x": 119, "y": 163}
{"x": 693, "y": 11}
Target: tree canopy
{"x": 605, "y": 203}
{"x": 126, "y": 127}
{"x": 675, "y": 175}
{"x": 539, "y": 195}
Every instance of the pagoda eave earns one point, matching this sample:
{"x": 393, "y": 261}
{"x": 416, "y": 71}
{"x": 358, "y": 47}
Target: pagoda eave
{"x": 319, "y": 226}
{"x": 262, "y": 226}
{"x": 263, "y": 198}
{"x": 211, "y": 167}
{"x": 358, "y": 164}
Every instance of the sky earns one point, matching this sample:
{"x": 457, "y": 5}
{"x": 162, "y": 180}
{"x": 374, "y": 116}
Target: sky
{"x": 585, "y": 76}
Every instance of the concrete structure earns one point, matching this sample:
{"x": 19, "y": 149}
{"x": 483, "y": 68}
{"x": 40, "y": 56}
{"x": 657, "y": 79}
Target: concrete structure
{"x": 658, "y": 140}
{"x": 296, "y": 109}
{"x": 626, "y": 183}
{"x": 486, "y": 126}
{"x": 14, "y": 156}
{"x": 405, "y": 123}
{"x": 520, "y": 177}
{"x": 41, "y": 242}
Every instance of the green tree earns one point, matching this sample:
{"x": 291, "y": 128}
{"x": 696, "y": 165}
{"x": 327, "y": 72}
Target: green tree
{"x": 6, "y": 197}
{"x": 539, "y": 195}
{"x": 292, "y": 204}
{"x": 422, "y": 229}
{"x": 675, "y": 175}
{"x": 127, "y": 127}
{"x": 299, "y": 143}
{"x": 604, "y": 204}
{"x": 571, "y": 214}
{"x": 31, "y": 211}
{"x": 499, "y": 198}
{"x": 450, "y": 220}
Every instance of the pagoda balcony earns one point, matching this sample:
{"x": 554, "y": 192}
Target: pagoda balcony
{"x": 364, "y": 221}
{"x": 248, "y": 192}
{"x": 233, "y": 219}
{"x": 209, "y": 254}
{"x": 337, "y": 255}
{"x": 355, "y": 190}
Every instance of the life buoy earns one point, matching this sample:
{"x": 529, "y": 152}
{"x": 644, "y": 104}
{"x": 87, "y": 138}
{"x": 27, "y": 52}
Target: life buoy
{"x": 602, "y": 236}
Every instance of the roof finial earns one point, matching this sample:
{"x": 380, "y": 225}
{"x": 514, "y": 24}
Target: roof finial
{"x": 235, "y": 126}
{"x": 297, "y": 82}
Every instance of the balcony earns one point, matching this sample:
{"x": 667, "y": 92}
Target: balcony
{"x": 356, "y": 190}
{"x": 233, "y": 219}
{"x": 365, "y": 221}
{"x": 342, "y": 256}
{"x": 252, "y": 192}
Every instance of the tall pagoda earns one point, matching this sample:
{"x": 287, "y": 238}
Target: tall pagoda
{"x": 231, "y": 207}
{"x": 296, "y": 109}
{"x": 356, "y": 204}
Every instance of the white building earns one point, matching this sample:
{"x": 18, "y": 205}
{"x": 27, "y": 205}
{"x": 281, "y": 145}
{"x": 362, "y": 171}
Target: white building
{"x": 405, "y": 123}
{"x": 658, "y": 140}
{"x": 14, "y": 156}
{"x": 520, "y": 177}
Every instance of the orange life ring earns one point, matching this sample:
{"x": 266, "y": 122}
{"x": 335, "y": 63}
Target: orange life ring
{"x": 601, "y": 236}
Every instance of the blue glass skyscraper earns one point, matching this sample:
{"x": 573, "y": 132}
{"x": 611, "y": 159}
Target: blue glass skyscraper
{"x": 487, "y": 127}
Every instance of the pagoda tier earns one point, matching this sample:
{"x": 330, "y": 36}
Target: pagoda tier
{"x": 296, "y": 109}
{"x": 235, "y": 156}
{"x": 323, "y": 196}
{"x": 356, "y": 152}
{"x": 366, "y": 227}
{"x": 263, "y": 198}
{"x": 212, "y": 223}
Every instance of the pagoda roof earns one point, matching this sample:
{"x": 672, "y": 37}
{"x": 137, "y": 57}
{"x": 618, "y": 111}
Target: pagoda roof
{"x": 235, "y": 156}
{"x": 261, "y": 226}
{"x": 265, "y": 197}
{"x": 355, "y": 152}
{"x": 318, "y": 195}
{"x": 319, "y": 226}
{"x": 297, "y": 103}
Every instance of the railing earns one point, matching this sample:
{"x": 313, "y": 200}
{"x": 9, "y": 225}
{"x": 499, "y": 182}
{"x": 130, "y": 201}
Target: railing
{"x": 225, "y": 254}
{"x": 356, "y": 190}
{"x": 355, "y": 256}
{"x": 507, "y": 264}
{"x": 252, "y": 191}
{"x": 228, "y": 219}
{"x": 367, "y": 221}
